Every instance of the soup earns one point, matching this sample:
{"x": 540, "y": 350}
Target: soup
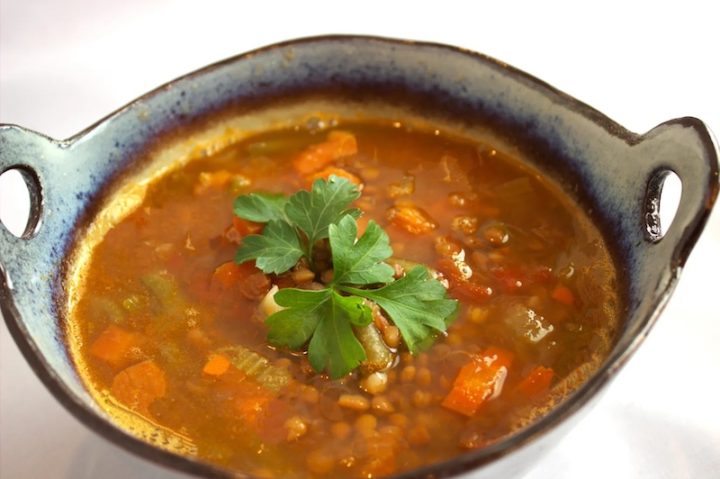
{"x": 453, "y": 297}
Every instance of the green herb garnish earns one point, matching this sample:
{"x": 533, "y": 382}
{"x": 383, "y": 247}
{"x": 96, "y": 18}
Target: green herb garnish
{"x": 324, "y": 319}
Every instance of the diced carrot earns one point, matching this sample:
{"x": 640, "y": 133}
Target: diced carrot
{"x": 315, "y": 157}
{"x": 246, "y": 227}
{"x": 563, "y": 294}
{"x": 479, "y": 381}
{"x": 335, "y": 171}
{"x": 139, "y": 385}
{"x": 115, "y": 346}
{"x": 411, "y": 219}
{"x": 536, "y": 382}
{"x": 216, "y": 365}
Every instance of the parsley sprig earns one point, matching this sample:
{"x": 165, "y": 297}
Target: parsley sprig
{"x": 323, "y": 320}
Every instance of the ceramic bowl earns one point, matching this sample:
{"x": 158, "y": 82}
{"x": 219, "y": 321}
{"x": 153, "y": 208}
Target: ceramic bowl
{"x": 614, "y": 174}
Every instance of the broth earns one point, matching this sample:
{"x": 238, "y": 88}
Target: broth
{"x": 170, "y": 329}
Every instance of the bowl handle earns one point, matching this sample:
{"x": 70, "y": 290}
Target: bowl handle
{"x": 683, "y": 146}
{"x": 35, "y": 157}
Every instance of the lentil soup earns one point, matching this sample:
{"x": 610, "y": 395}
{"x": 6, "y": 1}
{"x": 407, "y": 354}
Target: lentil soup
{"x": 172, "y": 332}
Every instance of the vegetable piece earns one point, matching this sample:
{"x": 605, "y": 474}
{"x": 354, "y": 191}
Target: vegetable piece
{"x": 479, "y": 381}
{"x": 216, "y": 365}
{"x": 115, "y": 346}
{"x": 378, "y": 355}
{"x": 404, "y": 187}
{"x": 275, "y": 251}
{"x": 339, "y": 172}
{"x": 261, "y": 411}
{"x": 260, "y": 207}
{"x": 536, "y": 383}
{"x": 416, "y": 303}
{"x": 411, "y": 218}
{"x": 268, "y": 306}
{"x": 337, "y": 145}
{"x": 139, "y": 385}
{"x": 246, "y": 227}
{"x": 230, "y": 274}
{"x": 563, "y": 294}
{"x": 256, "y": 367}
{"x": 462, "y": 280}
{"x": 359, "y": 261}
{"x": 164, "y": 288}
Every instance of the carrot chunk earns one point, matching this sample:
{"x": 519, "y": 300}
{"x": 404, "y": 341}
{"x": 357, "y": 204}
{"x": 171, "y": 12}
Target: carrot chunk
{"x": 411, "y": 219}
{"x": 315, "y": 157}
{"x": 563, "y": 294}
{"x": 139, "y": 385}
{"x": 335, "y": 171}
{"x": 536, "y": 383}
{"x": 216, "y": 365}
{"x": 115, "y": 346}
{"x": 479, "y": 381}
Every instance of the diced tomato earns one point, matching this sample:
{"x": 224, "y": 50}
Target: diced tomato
{"x": 536, "y": 383}
{"x": 115, "y": 346}
{"x": 472, "y": 288}
{"x": 315, "y": 157}
{"x": 261, "y": 411}
{"x": 511, "y": 279}
{"x": 139, "y": 385}
{"x": 245, "y": 227}
{"x": 563, "y": 294}
{"x": 229, "y": 275}
{"x": 479, "y": 381}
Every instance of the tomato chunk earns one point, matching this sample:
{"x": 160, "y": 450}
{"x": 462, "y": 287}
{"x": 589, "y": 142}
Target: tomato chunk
{"x": 139, "y": 385}
{"x": 536, "y": 383}
{"x": 563, "y": 294}
{"x": 116, "y": 346}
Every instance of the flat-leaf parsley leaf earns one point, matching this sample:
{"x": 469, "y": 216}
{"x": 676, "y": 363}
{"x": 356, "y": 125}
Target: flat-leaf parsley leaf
{"x": 323, "y": 320}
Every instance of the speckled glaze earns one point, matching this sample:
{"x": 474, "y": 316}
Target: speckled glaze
{"x": 612, "y": 172}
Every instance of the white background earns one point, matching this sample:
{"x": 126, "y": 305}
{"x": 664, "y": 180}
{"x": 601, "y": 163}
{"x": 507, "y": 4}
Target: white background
{"x": 63, "y": 65}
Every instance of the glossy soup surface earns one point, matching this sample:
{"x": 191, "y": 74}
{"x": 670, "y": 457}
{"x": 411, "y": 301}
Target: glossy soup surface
{"x": 171, "y": 331}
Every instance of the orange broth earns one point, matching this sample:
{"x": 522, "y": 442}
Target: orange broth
{"x": 169, "y": 327}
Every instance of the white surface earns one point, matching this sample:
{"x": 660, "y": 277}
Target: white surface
{"x": 63, "y": 65}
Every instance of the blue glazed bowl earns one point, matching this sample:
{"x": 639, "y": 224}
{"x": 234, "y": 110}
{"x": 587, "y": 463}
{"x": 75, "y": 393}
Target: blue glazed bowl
{"x": 614, "y": 174}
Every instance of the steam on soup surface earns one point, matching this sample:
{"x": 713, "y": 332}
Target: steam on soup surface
{"x": 173, "y": 334}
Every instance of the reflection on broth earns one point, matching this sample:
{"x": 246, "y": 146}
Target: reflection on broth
{"x": 172, "y": 336}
